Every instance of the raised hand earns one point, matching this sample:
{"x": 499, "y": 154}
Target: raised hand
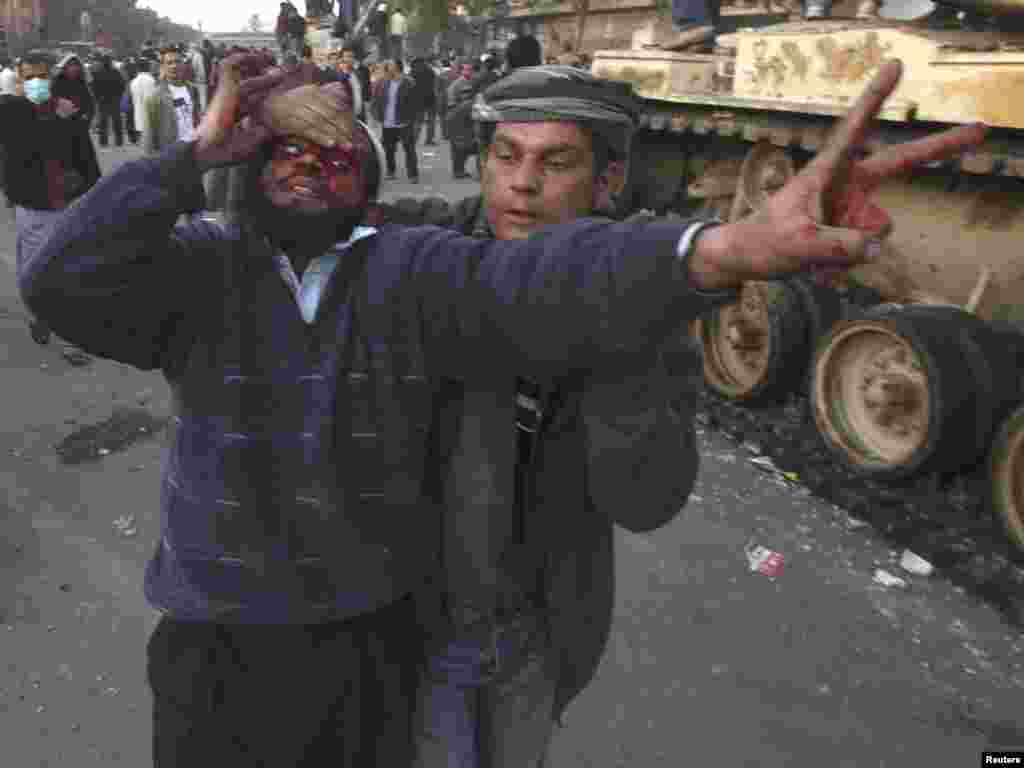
{"x": 823, "y": 220}
{"x": 319, "y": 114}
{"x": 65, "y": 108}
{"x": 222, "y": 139}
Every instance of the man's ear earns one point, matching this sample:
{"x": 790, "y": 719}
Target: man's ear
{"x": 610, "y": 184}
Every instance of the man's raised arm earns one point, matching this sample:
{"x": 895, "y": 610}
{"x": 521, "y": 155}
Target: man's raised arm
{"x": 573, "y": 295}
{"x": 113, "y": 276}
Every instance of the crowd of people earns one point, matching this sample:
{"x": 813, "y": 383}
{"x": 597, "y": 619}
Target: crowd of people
{"x": 402, "y": 433}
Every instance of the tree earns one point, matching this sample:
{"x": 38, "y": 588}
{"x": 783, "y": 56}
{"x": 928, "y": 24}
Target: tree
{"x": 255, "y": 24}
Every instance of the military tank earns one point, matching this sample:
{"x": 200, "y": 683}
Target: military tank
{"x": 909, "y": 372}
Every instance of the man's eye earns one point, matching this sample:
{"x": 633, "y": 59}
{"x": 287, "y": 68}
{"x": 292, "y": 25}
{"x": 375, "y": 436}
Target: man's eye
{"x": 558, "y": 165}
{"x": 292, "y": 150}
{"x": 341, "y": 165}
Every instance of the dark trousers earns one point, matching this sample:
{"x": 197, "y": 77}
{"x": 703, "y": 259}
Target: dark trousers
{"x": 110, "y": 113}
{"x": 390, "y": 138}
{"x": 428, "y": 117}
{"x": 129, "y": 124}
{"x": 460, "y": 154}
{"x": 335, "y": 695}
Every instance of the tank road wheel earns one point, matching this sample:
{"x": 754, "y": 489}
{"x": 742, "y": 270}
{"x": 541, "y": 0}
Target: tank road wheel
{"x": 871, "y": 397}
{"x": 1006, "y": 477}
{"x": 765, "y": 170}
{"x": 921, "y": 388}
{"x": 748, "y": 347}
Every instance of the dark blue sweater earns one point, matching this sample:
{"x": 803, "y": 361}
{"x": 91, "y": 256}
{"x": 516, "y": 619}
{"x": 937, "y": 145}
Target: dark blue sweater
{"x": 300, "y": 484}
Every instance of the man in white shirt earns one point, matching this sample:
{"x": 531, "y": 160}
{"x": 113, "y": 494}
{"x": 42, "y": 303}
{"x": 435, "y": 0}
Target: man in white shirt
{"x": 142, "y": 86}
{"x": 172, "y": 112}
{"x": 8, "y": 78}
{"x": 199, "y": 75}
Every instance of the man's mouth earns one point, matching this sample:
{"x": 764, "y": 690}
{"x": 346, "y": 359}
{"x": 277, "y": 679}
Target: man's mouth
{"x": 521, "y": 217}
{"x": 308, "y": 189}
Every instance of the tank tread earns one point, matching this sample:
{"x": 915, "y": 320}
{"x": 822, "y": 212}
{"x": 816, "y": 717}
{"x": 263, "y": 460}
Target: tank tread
{"x": 944, "y": 519}
{"x": 1002, "y": 154}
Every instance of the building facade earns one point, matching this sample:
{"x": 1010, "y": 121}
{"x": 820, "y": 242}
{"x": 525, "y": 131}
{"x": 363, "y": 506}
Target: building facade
{"x": 245, "y": 39}
{"x": 23, "y": 23}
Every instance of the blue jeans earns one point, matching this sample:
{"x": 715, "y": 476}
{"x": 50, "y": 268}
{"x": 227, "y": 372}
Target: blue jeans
{"x": 487, "y": 700}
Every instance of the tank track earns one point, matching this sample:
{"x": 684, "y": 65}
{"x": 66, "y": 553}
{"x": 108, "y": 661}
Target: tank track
{"x": 943, "y": 519}
{"x": 1001, "y": 154}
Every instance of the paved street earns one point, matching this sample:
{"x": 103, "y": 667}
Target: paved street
{"x": 709, "y": 663}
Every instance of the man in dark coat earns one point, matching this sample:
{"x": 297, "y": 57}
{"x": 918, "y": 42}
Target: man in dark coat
{"x": 311, "y": 445}
{"x": 396, "y": 107}
{"x": 426, "y": 84}
{"x": 109, "y": 87}
{"x": 459, "y": 119}
{"x": 69, "y": 84}
{"x": 624, "y": 444}
{"x": 50, "y": 161}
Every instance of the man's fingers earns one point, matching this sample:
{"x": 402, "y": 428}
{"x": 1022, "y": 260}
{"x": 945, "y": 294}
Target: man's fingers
{"x": 850, "y": 132}
{"x": 834, "y": 248}
{"x": 903, "y": 158}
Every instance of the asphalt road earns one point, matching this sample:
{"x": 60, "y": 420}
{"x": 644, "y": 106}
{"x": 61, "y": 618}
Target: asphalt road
{"x": 709, "y": 663}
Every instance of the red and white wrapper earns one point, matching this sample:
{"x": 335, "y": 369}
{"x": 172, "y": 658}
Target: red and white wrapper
{"x": 765, "y": 561}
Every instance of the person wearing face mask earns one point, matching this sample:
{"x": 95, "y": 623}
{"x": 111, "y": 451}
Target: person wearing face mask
{"x": 50, "y": 160}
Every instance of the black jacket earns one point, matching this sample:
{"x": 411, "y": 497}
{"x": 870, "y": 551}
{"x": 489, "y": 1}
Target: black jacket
{"x": 459, "y": 113}
{"x": 32, "y": 135}
{"x": 424, "y": 78}
{"x": 76, "y": 90}
{"x": 108, "y": 85}
{"x": 620, "y": 448}
{"x": 407, "y": 108}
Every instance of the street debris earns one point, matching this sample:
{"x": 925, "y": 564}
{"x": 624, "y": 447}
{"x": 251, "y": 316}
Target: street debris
{"x": 765, "y": 561}
{"x": 76, "y": 357}
{"x": 886, "y": 579}
{"x": 125, "y": 525}
{"x": 915, "y": 564}
{"x": 124, "y": 427}
{"x": 769, "y": 467}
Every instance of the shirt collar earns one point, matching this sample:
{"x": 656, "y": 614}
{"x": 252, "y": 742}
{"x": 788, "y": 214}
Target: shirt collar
{"x": 309, "y": 289}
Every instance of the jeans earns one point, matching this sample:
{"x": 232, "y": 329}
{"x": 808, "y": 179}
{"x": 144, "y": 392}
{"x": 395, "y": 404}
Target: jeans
{"x": 488, "y": 704}
{"x": 390, "y": 139}
{"x": 33, "y": 228}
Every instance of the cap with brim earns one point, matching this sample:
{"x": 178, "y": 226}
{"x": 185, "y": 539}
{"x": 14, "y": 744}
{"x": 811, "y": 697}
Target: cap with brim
{"x": 562, "y": 94}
